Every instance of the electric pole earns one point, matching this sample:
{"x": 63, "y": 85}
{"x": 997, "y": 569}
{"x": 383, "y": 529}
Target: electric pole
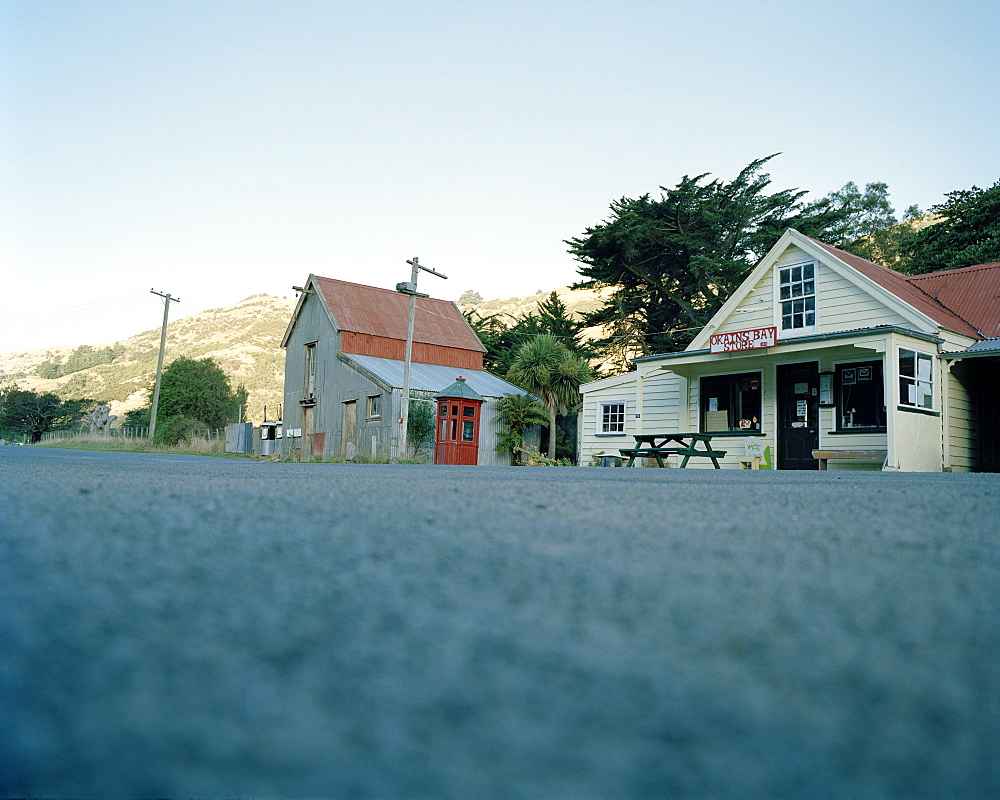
{"x": 159, "y": 363}
{"x": 411, "y": 289}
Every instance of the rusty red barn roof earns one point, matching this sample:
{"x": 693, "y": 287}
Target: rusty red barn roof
{"x": 905, "y": 288}
{"x": 383, "y": 312}
{"x": 971, "y": 292}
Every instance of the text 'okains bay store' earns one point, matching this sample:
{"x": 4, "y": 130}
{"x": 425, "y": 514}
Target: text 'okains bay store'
{"x": 821, "y": 352}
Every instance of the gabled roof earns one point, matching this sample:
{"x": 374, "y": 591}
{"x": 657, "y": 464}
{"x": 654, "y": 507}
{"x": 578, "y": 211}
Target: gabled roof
{"x": 907, "y": 290}
{"x": 430, "y": 377}
{"x": 965, "y": 301}
{"x": 370, "y": 310}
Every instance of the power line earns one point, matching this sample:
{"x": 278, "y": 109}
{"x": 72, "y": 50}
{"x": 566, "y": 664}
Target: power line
{"x": 85, "y": 311}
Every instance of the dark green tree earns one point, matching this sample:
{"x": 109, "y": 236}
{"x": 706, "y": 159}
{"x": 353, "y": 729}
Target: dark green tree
{"x": 137, "y": 418}
{"x": 198, "y": 389}
{"x": 241, "y": 395}
{"x": 967, "y": 233}
{"x": 50, "y": 369}
{"x": 545, "y": 367}
{"x": 675, "y": 260}
{"x": 517, "y": 412}
{"x": 30, "y": 414}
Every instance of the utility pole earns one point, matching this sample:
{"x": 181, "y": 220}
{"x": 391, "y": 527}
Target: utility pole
{"x": 159, "y": 364}
{"x": 411, "y": 289}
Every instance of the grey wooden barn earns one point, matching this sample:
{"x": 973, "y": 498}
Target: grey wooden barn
{"x": 344, "y": 363}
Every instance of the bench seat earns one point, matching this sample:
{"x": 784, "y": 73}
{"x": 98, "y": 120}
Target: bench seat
{"x": 659, "y": 452}
{"x": 863, "y": 454}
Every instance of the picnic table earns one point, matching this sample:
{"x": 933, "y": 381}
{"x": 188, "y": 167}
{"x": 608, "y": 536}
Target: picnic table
{"x": 658, "y": 445}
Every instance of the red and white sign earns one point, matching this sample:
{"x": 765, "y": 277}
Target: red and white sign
{"x": 743, "y": 340}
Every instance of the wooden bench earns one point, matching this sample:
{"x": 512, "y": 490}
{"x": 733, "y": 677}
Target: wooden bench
{"x": 822, "y": 456}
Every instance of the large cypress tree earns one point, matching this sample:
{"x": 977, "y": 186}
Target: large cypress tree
{"x": 675, "y": 260}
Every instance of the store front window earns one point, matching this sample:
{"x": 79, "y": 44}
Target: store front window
{"x": 916, "y": 379}
{"x": 860, "y": 396}
{"x": 731, "y": 403}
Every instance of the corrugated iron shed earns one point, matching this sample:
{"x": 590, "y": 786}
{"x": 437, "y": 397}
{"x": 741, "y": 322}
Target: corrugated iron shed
{"x": 383, "y": 312}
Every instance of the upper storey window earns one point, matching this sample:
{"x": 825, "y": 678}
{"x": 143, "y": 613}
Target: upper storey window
{"x": 797, "y": 292}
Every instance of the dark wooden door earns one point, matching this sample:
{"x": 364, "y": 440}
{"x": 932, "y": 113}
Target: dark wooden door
{"x": 457, "y": 432}
{"x": 798, "y": 415}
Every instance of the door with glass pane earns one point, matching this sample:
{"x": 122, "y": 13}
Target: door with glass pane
{"x": 457, "y": 432}
{"x": 798, "y": 415}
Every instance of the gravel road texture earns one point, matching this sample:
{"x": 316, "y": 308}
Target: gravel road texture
{"x": 189, "y": 626}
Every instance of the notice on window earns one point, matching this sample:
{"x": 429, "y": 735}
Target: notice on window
{"x": 801, "y": 408}
{"x": 717, "y": 421}
{"x": 713, "y": 403}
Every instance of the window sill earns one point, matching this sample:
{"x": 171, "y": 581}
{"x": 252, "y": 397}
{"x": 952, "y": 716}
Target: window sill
{"x": 743, "y": 432}
{"x": 930, "y": 412}
{"x": 795, "y": 333}
{"x": 619, "y": 434}
{"x": 854, "y": 431}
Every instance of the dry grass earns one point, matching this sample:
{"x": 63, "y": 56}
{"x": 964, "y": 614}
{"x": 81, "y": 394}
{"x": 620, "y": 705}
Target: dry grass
{"x": 197, "y": 445}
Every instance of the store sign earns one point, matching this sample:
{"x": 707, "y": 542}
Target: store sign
{"x": 743, "y": 340}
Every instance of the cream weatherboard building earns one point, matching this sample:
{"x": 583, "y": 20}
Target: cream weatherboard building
{"x": 820, "y": 350}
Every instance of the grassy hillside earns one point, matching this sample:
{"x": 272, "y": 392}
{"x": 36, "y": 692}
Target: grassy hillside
{"x": 244, "y": 339}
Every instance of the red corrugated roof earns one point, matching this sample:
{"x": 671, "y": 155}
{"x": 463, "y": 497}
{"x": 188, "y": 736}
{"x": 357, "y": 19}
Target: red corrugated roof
{"x": 383, "y": 312}
{"x": 906, "y": 290}
{"x": 971, "y": 292}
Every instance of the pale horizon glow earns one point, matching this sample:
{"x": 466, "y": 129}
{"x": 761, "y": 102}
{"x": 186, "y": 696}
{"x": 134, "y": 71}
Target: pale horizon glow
{"x": 216, "y": 150}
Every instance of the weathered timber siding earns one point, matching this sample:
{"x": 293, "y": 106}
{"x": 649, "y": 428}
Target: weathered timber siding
{"x": 961, "y": 444}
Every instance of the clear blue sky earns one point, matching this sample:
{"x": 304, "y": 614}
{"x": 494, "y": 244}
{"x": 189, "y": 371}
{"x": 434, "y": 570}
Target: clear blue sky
{"x": 220, "y": 149}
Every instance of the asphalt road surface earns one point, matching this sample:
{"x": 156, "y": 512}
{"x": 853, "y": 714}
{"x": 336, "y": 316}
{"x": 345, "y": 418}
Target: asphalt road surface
{"x": 186, "y": 626}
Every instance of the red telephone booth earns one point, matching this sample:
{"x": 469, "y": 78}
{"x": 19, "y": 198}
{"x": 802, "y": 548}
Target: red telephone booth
{"x": 457, "y": 440}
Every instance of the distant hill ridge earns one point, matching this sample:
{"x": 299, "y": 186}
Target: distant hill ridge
{"x": 244, "y": 339}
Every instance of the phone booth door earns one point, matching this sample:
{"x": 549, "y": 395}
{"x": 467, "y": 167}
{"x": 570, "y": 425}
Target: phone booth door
{"x": 458, "y": 419}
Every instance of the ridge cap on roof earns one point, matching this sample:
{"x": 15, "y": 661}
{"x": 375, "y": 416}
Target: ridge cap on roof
{"x": 939, "y": 272}
{"x": 375, "y": 288}
{"x": 904, "y": 280}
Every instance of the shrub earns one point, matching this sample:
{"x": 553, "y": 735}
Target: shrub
{"x": 179, "y": 428}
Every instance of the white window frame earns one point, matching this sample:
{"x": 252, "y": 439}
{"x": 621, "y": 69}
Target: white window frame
{"x": 309, "y": 390}
{"x": 916, "y": 381}
{"x": 779, "y": 301}
{"x": 600, "y": 421}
